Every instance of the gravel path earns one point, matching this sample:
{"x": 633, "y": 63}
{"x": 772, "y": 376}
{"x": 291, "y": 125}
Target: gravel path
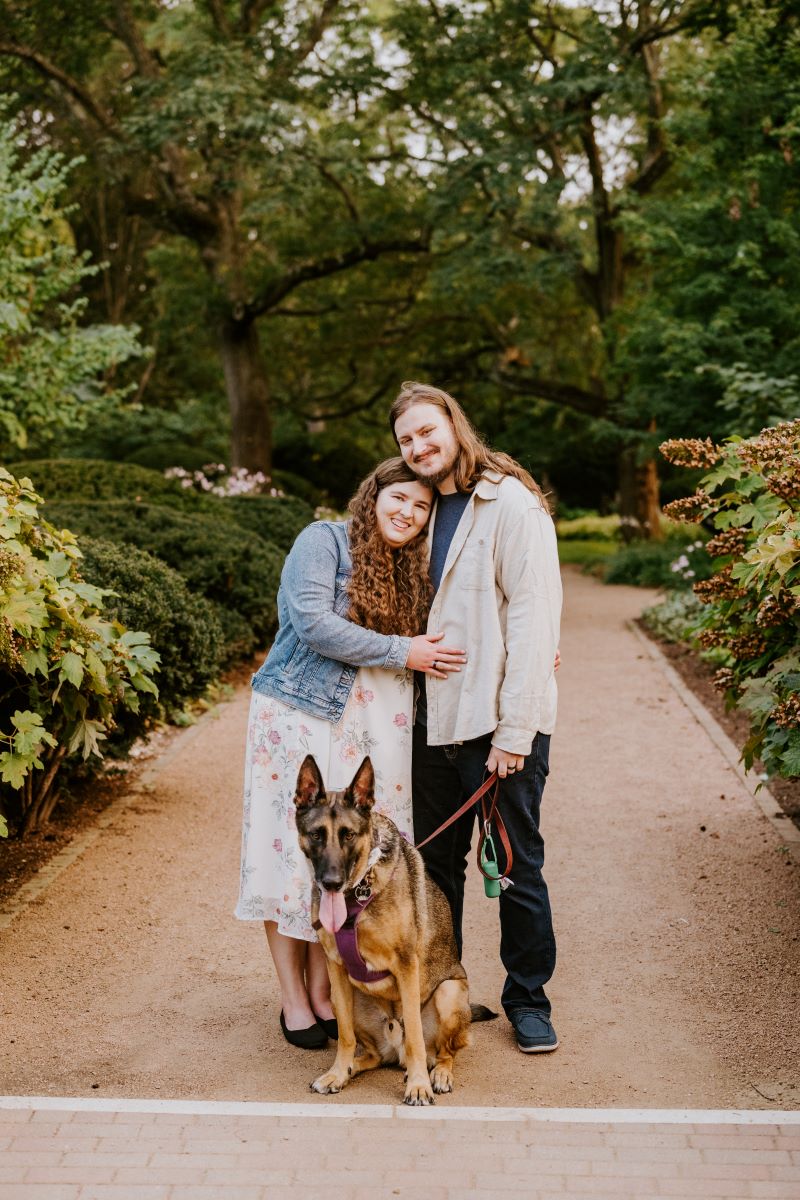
{"x": 676, "y": 913}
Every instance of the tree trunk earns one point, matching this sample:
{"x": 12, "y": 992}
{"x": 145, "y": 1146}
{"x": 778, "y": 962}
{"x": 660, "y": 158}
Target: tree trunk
{"x": 248, "y": 396}
{"x": 638, "y": 496}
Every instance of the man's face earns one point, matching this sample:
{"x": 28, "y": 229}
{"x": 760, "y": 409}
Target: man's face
{"x": 428, "y": 444}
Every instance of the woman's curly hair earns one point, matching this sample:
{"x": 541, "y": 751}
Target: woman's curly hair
{"x": 389, "y": 590}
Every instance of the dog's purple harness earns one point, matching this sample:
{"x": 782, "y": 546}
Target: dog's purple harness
{"x": 347, "y": 944}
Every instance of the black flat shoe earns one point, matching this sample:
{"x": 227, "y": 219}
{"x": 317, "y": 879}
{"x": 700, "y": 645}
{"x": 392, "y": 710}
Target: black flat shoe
{"x": 312, "y": 1038}
{"x": 330, "y": 1026}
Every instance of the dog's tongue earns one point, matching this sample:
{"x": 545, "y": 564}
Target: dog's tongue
{"x": 332, "y": 910}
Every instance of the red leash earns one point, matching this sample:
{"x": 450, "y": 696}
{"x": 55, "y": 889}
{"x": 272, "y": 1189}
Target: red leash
{"x": 493, "y": 814}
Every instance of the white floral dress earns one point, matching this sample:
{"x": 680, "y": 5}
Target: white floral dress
{"x": 275, "y": 878}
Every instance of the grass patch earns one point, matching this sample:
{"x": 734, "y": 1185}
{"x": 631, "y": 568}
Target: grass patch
{"x": 586, "y": 553}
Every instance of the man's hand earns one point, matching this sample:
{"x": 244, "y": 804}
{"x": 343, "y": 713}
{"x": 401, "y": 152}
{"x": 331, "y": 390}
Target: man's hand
{"x": 504, "y": 762}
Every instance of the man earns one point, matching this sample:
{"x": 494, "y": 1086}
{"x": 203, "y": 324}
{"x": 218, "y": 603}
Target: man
{"x": 497, "y": 592}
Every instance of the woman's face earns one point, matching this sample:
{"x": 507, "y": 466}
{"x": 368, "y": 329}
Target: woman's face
{"x": 401, "y": 511}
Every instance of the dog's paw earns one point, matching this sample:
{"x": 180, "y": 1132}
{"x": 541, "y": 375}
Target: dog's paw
{"x": 442, "y": 1080}
{"x": 419, "y": 1094}
{"x": 328, "y": 1084}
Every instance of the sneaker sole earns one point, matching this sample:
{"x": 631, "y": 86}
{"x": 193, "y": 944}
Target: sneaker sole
{"x": 537, "y": 1049}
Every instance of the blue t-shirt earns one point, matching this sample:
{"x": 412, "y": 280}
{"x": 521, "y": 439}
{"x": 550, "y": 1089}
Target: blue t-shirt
{"x": 449, "y": 511}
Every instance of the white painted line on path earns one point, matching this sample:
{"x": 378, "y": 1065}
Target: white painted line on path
{"x": 249, "y": 1108}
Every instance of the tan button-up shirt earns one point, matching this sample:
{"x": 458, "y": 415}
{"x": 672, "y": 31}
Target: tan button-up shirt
{"x": 499, "y": 598}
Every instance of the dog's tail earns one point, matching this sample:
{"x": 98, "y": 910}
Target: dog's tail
{"x": 481, "y": 1013}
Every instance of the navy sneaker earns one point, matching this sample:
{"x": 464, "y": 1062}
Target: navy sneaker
{"x": 534, "y": 1030}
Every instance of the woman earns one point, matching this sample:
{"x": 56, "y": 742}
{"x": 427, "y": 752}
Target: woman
{"x": 337, "y": 684}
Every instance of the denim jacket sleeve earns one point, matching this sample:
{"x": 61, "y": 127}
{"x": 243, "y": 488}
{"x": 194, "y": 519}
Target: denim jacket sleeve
{"x": 309, "y": 586}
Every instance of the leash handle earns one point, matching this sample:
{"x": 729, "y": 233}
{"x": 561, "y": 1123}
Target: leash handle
{"x": 474, "y": 798}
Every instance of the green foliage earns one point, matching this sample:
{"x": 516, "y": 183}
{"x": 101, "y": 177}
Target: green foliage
{"x": 676, "y": 617}
{"x": 586, "y": 553}
{"x": 274, "y": 520}
{"x": 228, "y": 565}
{"x": 55, "y": 367}
{"x": 589, "y": 528}
{"x": 69, "y": 671}
{"x": 708, "y": 339}
{"x": 751, "y": 617}
{"x": 184, "y": 628}
{"x": 92, "y": 479}
{"x": 674, "y": 563}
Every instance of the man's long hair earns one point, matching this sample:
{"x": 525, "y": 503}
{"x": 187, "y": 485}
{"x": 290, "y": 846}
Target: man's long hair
{"x": 389, "y": 589}
{"x": 474, "y": 456}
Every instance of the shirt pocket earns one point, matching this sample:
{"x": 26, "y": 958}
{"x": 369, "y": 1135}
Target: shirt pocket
{"x": 341, "y": 597}
{"x": 475, "y": 567}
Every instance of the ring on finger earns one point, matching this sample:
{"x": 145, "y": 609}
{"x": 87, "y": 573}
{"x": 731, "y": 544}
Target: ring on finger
{"x": 435, "y": 665}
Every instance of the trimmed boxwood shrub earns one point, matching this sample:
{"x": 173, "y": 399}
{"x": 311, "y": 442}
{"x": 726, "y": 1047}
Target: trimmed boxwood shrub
{"x": 219, "y": 560}
{"x": 93, "y": 479}
{"x": 183, "y": 628}
{"x": 275, "y": 520}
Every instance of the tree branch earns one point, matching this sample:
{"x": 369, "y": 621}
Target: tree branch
{"x": 332, "y": 264}
{"x": 70, "y": 85}
{"x": 592, "y": 403}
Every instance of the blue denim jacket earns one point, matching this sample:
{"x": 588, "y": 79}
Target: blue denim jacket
{"x": 317, "y": 651}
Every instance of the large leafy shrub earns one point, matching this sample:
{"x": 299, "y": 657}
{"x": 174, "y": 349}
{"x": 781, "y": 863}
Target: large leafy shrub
{"x": 147, "y": 594}
{"x": 227, "y": 564}
{"x": 54, "y": 367}
{"x": 68, "y": 671}
{"x": 751, "y": 620}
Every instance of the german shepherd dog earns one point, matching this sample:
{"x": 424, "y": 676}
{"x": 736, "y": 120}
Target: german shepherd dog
{"x": 419, "y": 1014}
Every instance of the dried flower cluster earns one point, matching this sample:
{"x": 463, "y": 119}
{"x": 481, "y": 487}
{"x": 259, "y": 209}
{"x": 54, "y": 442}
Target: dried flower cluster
{"x": 724, "y": 679}
{"x": 690, "y": 508}
{"x": 787, "y": 713}
{"x": 691, "y": 452}
{"x": 775, "y": 454}
{"x": 728, "y": 541}
{"x": 719, "y": 587}
{"x": 776, "y": 609}
{"x": 747, "y": 645}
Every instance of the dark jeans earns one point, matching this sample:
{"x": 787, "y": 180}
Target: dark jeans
{"x": 443, "y": 777}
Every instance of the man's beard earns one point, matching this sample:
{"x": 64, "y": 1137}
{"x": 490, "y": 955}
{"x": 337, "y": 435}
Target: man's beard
{"x": 438, "y": 476}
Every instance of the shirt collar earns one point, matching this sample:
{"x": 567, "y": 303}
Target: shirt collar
{"x": 488, "y": 484}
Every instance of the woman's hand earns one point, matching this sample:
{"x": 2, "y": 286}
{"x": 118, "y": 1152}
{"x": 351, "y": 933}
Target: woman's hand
{"x": 426, "y": 654}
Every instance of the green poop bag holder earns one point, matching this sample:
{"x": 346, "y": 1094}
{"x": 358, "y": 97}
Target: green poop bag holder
{"x": 495, "y": 881}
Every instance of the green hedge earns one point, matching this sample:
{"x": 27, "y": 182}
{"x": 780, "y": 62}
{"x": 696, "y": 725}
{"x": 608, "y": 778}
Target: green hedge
{"x": 276, "y": 521}
{"x": 95, "y": 479}
{"x": 183, "y": 628}
{"x": 219, "y": 560}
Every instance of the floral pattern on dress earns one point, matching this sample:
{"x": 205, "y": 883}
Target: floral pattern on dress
{"x": 275, "y": 879}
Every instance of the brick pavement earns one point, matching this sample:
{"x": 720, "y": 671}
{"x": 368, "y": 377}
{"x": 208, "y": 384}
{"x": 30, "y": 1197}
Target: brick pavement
{"x": 129, "y": 1150}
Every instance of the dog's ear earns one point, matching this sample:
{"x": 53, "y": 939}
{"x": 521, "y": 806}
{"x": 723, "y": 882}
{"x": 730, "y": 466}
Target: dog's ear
{"x": 310, "y": 788}
{"x": 361, "y": 793}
